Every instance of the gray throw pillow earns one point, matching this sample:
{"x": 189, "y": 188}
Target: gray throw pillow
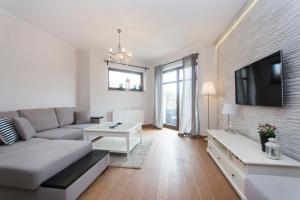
{"x": 24, "y": 128}
{"x": 82, "y": 117}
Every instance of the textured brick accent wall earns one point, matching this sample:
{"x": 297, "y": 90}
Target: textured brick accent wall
{"x": 270, "y": 26}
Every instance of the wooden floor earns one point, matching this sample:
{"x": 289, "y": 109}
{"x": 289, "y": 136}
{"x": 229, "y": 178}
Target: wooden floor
{"x": 175, "y": 168}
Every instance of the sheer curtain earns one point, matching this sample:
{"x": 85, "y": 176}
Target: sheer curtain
{"x": 158, "y": 97}
{"x": 189, "y": 110}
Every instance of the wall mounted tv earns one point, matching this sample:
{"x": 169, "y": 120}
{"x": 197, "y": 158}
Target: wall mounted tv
{"x": 260, "y": 83}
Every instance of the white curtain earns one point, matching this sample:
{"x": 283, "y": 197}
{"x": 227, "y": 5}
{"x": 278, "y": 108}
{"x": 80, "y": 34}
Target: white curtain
{"x": 158, "y": 97}
{"x": 189, "y": 110}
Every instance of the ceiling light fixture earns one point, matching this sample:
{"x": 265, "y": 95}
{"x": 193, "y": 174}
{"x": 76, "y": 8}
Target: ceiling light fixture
{"x": 122, "y": 56}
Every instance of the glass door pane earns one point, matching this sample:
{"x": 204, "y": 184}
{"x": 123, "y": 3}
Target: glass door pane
{"x": 170, "y": 76}
{"x": 180, "y": 96}
{"x": 170, "y": 104}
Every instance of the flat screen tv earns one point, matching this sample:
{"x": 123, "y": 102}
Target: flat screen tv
{"x": 260, "y": 83}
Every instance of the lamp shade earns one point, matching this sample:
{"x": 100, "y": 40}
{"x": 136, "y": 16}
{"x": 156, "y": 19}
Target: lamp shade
{"x": 229, "y": 109}
{"x": 208, "y": 88}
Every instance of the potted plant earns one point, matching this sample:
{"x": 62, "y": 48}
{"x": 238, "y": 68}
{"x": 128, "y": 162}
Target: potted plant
{"x": 121, "y": 87}
{"x": 266, "y": 131}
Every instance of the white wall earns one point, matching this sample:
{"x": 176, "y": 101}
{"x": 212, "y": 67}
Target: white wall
{"x": 37, "y": 70}
{"x": 207, "y": 72}
{"x": 83, "y": 80}
{"x": 103, "y": 101}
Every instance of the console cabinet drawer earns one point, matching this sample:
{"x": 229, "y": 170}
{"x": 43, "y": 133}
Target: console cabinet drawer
{"x": 237, "y": 179}
{"x": 234, "y": 175}
{"x": 218, "y": 156}
{"x": 213, "y": 151}
{"x": 228, "y": 169}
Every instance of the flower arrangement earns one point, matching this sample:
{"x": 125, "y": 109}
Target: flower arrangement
{"x": 267, "y": 130}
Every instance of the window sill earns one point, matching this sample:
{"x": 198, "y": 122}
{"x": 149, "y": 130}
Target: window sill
{"x": 138, "y": 91}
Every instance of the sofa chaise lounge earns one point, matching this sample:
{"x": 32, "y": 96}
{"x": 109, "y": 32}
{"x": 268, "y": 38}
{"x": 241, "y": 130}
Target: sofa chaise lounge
{"x": 57, "y": 145}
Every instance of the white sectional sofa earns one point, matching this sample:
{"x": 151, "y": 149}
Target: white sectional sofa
{"x": 57, "y": 145}
{"x": 267, "y": 187}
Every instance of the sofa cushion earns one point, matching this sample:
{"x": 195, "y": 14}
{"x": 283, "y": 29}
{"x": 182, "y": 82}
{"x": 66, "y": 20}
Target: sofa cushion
{"x": 264, "y": 187}
{"x": 31, "y": 165}
{"x": 20, "y": 144}
{"x": 61, "y": 134}
{"x": 82, "y": 117}
{"x": 65, "y": 116}
{"x": 80, "y": 126}
{"x": 9, "y": 114}
{"x": 8, "y": 133}
{"x": 40, "y": 119}
{"x": 24, "y": 128}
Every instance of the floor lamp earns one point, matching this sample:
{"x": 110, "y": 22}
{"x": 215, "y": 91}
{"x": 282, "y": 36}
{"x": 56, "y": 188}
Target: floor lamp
{"x": 208, "y": 89}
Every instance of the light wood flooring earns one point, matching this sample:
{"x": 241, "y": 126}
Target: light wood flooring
{"x": 175, "y": 169}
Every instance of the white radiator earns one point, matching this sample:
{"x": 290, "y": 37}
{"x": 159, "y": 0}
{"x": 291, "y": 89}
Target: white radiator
{"x": 126, "y": 116}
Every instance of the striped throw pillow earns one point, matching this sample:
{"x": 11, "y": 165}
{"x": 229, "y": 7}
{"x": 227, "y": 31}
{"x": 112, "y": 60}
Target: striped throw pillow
{"x": 8, "y": 133}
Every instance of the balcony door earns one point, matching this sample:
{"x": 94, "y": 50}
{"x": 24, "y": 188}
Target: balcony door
{"x": 172, "y": 87}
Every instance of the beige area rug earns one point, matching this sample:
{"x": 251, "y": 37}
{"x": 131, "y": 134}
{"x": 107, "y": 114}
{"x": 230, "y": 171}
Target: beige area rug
{"x": 136, "y": 158}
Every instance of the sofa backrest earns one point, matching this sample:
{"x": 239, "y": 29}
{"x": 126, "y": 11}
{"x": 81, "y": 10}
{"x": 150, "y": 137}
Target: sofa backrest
{"x": 65, "y": 116}
{"x": 9, "y": 114}
{"x": 41, "y": 119}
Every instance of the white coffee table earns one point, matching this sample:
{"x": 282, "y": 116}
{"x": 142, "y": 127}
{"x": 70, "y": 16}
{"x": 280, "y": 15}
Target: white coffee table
{"x": 121, "y": 139}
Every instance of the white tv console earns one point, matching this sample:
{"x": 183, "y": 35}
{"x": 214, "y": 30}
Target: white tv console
{"x": 238, "y": 156}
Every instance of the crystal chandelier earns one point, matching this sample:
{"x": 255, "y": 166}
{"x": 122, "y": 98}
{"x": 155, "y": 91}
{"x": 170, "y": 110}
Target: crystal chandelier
{"x": 121, "y": 56}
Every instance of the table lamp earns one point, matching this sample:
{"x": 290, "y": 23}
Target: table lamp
{"x": 229, "y": 109}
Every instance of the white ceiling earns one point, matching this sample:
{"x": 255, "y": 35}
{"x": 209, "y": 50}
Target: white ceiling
{"x": 151, "y": 28}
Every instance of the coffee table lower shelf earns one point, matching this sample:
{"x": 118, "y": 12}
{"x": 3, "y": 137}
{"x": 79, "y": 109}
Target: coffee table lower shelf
{"x": 116, "y": 145}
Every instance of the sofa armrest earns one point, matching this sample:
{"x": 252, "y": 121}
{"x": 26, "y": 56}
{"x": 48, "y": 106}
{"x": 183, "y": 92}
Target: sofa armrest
{"x": 96, "y": 119}
{"x": 272, "y": 187}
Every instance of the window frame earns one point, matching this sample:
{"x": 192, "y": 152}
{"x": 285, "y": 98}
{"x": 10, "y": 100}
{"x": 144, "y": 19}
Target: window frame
{"x": 129, "y": 72}
{"x": 177, "y": 81}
